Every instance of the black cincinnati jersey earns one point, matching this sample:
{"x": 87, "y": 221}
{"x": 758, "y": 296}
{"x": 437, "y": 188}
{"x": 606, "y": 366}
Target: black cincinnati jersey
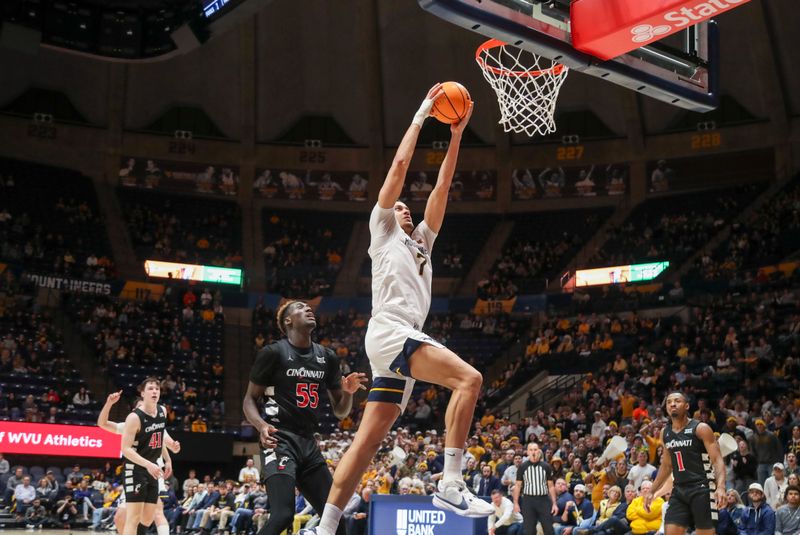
{"x": 691, "y": 464}
{"x": 295, "y": 378}
{"x": 149, "y": 441}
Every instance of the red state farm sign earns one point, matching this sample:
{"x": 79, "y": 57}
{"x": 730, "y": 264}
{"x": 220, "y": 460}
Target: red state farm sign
{"x": 66, "y": 440}
{"x": 609, "y": 28}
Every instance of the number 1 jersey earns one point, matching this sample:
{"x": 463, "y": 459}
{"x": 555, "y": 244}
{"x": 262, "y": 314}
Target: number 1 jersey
{"x": 295, "y": 379}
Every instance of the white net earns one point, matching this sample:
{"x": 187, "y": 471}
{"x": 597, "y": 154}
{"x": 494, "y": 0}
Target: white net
{"x": 526, "y": 84}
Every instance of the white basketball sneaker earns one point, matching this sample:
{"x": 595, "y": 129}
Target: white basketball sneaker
{"x": 456, "y": 497}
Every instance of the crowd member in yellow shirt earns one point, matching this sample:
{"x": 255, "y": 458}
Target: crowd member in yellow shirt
{"x": 475, "y": 449}
{"x": 600, "y": 477}
{"x": 644, "y": 520}
{"x": 627, "y": 401}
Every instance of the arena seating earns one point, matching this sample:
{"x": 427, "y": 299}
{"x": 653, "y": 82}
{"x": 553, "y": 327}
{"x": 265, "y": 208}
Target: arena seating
{"x": 50, "y": 222}
{"x": 179, "y": 340}
{"x": 540, "y": 244}
{"x": 195, "y": 230}
{"x": 38, "y": 381}
{"x": 303, "y": 250}
{"x": 674, "y": 227}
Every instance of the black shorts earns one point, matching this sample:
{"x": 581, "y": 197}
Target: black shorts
{"x": 140, "y": 487}
{"x": 692, "y": 506}
{"x": 295, "y": 455}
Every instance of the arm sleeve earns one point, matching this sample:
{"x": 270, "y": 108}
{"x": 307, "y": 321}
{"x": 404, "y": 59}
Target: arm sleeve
{"x": 264, "y": 367}
{"x": 382, "y": 226}
{"x": 334, "y": 381}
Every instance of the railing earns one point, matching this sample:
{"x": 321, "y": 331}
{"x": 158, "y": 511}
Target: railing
{"x": 548, "y": 394}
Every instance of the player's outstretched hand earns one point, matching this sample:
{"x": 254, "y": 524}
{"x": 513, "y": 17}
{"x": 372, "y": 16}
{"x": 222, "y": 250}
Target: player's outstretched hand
{"x": 722, "y": 498}
{"x": 113, "y": 397}
{"x": 267, "y": 438}
{"x": 354, "y": 382}
{"x": 434, "y": 92}
{"x": 458, "y": 128}
{"x": 154, "y": 471}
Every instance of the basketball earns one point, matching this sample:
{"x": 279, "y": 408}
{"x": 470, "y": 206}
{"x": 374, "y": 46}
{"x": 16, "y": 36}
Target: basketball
{"x": 452, "y": 106}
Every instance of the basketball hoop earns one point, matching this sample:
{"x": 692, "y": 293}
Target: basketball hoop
{"x": 526, "y": 84}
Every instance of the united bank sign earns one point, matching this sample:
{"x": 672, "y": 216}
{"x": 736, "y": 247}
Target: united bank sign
{"x": 416, "y": 515}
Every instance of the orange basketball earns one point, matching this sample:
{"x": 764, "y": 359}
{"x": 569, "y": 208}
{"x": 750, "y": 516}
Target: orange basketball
{"x": 452, "y": 106}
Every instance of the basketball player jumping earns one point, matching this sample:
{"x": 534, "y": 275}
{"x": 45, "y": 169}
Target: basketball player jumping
{"x": 142, "y": 445}
{"x": 399, "y": 352}
{"x": 294, "y": 369}
{"x": 693, "y": 460}
{"x": 162, "y": 524}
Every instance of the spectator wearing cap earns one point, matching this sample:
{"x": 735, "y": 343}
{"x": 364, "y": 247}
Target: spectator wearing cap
{"x": 578, "y": 513}
{"x": 775, "y": 486}
{"x": 767, "y": 449}
{"x": 787, "y": 517}
{"x": 759, "y": 518}
{"x": 558, "y": 467}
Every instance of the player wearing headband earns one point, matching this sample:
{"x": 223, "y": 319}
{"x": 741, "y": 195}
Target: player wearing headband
{"x": 282, "y": 399}
{"x": 162, "y": 524}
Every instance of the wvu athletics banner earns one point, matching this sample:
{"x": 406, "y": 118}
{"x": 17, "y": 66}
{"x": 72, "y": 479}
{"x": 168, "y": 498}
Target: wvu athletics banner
{"x": 67, "y": 284}
{"x": 60, "y": 440}
{"x": 483, "y": 306}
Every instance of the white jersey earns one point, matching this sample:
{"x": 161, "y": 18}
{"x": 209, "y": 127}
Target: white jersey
{"x": 401, "y": 268}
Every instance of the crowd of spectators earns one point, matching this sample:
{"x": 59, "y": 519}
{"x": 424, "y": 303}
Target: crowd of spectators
{"x": 303, "y": 251}
{"x": 767, "y": 236}
{"x": 178, "y": 338}
{"x": 539, "y": 246}
{"x": 38, "y": 382}
{"x": 183, "y": 229}
{"x": 673, "y": 228}
{"x": 50, "y": 222}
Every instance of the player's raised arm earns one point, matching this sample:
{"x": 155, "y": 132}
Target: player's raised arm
{"x": 706, "y": 434}
{"x": 437, "y": 201}
{"x": 102, "y": 418}
{"x": 342, "y": 398}
{"x": 393, "y": 185}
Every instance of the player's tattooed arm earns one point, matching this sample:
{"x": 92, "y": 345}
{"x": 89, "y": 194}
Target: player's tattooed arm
{"x": 253, "y": 415}
{"x": 342, "y": 398}
{"x": 706, "y": 434}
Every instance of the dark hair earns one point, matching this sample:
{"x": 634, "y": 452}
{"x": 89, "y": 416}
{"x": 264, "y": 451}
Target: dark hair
{"x": 790, "y": 488}
{"x": 497, "y": 491}
{"x": 146, "y": 382}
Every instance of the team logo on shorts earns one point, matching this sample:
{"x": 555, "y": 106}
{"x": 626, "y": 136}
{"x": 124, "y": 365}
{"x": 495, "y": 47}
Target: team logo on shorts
{"x": 282, "y": 463}
{"x": 136, "y": 488}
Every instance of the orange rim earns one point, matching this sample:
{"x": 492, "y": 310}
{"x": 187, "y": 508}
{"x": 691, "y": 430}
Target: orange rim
{"x": 555, "y": 70}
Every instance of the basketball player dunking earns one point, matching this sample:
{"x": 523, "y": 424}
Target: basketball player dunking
{"x": 693, "y": 460}
{"x": 142, "y": 445}
{"x": 399, "y": 352}
{"x": 162, "y": 524}
{"x": 295, "y": 369}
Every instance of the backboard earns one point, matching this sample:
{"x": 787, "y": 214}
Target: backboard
{"x": 680, "y": 69}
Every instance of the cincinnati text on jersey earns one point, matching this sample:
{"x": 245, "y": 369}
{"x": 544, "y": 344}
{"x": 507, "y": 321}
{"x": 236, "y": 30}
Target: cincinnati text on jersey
{"x": 302, "y": 372}
{"x": 678, "y": 444}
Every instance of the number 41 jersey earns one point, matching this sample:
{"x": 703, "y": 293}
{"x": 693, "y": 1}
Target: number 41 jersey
{"x": 149, "y": 440}
{"x": 295, "y": 379}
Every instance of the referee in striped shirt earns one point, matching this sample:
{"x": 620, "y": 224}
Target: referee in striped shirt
{"x": 535, "y": 485}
